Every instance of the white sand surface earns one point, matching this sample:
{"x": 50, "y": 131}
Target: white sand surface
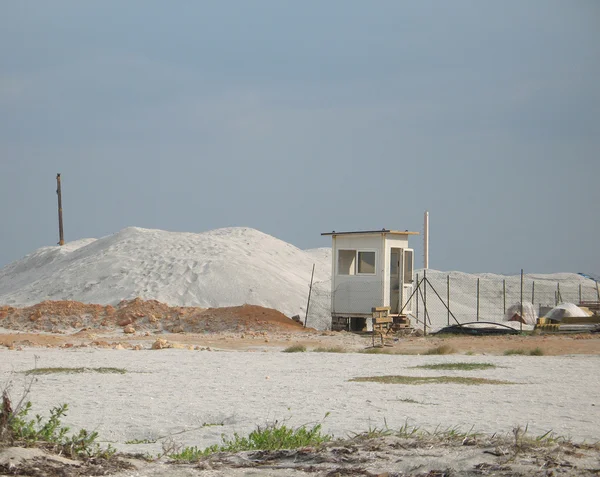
{"x": 195, "y": 396}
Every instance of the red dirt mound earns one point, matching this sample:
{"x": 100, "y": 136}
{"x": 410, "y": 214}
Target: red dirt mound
{"x": 137, "y": 314}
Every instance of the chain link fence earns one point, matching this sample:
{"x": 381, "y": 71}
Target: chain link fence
{"x": 452, "y": 297}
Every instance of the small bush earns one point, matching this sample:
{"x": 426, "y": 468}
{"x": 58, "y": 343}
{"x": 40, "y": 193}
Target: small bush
{"x": 536, "y": 352}
{"x": 295, "y": 349}
{"x": 15, "y": 428}
{"x": 442, "y": 349}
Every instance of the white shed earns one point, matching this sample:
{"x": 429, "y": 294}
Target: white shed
{"x": 369, "y": 269}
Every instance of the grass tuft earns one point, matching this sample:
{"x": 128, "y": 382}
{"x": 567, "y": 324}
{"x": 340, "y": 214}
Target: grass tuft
{"x": 37, "y": 371}
{"x": 295, "y": 349}
{"x": 534, "y": 352}
{"x": 377, "y": 350}
{"x": 427, "y": 380}
{"x": 512, "y": 352}
{"x": 457, "y": 366}
{"x": 442, "y": 349}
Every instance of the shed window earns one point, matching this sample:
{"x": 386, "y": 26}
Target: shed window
{"x": 346, "y": 261}
{"x": 355, "y": 262}
{"x": 366, "y": 262}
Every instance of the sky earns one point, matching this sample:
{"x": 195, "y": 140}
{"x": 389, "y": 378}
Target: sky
{"x": 302, "y": 117}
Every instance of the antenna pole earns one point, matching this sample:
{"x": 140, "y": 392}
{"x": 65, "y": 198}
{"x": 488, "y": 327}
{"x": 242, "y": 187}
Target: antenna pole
{"x": 60, "y": 218}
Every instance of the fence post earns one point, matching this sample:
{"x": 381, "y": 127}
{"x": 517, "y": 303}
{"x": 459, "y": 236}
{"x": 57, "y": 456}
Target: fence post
{"x": 448, "y": 296}
{"x": 478, "y": 299}
{"x": 521, "y": 321}
{"x": 533, "y": 293}
{"x": 597, "y": 290}
{"x": 504, "y": 296}
{"x": 558, "y": 297}
{"x": 580, "y": 293}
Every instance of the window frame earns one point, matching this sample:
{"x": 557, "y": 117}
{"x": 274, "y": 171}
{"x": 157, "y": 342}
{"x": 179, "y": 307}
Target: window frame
{"x": 356, "y": 253}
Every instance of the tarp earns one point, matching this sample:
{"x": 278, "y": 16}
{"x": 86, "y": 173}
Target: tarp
{"x": 565, "y": 310}
{"x": 530, "y": 314}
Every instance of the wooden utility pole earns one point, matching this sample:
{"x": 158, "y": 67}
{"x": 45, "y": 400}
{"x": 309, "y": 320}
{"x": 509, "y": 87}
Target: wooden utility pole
{"x": 60, "y": 218}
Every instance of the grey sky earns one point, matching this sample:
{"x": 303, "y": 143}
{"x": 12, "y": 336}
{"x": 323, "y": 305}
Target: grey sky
{"x": 300, "y": 117}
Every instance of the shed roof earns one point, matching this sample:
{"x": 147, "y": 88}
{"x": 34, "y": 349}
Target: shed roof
{"x": 372, "y": 232}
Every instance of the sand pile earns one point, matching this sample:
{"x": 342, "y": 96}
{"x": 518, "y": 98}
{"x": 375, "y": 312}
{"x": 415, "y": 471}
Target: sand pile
{"x": 224, "y": 267}
{"x": 143, "y": 315}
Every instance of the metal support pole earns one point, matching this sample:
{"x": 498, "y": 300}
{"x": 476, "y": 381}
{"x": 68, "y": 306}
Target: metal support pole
{"x": 598, "y": 291}
{"x": 558, "y": 297}
{"x": 521, "y": 321}
{"x": 478, "y": 299}
{"x": 533, "y": 293}
{"x": 309, "y": 292}
{"x": 61, "y": 235}
{"x": 448, "y": 296}
{"x": 580, "y": 293}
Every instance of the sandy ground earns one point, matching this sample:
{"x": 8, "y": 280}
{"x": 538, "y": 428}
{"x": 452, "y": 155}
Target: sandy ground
{"x": 192, "y": 397}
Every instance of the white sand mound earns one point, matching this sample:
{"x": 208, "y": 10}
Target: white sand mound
{"x": 565, "y": 310}
{"x": 223, "y": 267}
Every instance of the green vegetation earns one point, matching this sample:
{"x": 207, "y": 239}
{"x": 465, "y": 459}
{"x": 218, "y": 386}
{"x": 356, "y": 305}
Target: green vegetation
{"x": 332, "y": 349}
{"x": 457, "y": 366}
{"x": 427, "y": 380}
{"x": 37, "y": 371}
{"x": 534, "y": 352}
{"x": 17, "y": 429}
{"x": 295, "y": 349}
{"x": 141, "y": 441}
{"x": 272, "y": 437}
{"x": 442, "y": 349}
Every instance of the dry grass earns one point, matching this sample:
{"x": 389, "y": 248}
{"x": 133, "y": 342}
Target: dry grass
{"x": 332, "y": 349}
{"x": 458, "y": 366}
{"x": 428, "y": 380}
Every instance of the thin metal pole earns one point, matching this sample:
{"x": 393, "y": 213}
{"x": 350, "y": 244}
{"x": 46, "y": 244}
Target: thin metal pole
{"x": 597, "y": 290}
{"x": 580, "y": 293}
{"x": 478, "y": 299}
{"x": 504, "y": 296}
{"x": 448, "y": 296}
{"x": 425, "y": 303}
{"x": 533, "y": 293}
{"x": 521, "y": 321}
{"x": 558, "y": 297}
{"x": 309, "y": 292}
{"x": 61, "y": 235}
